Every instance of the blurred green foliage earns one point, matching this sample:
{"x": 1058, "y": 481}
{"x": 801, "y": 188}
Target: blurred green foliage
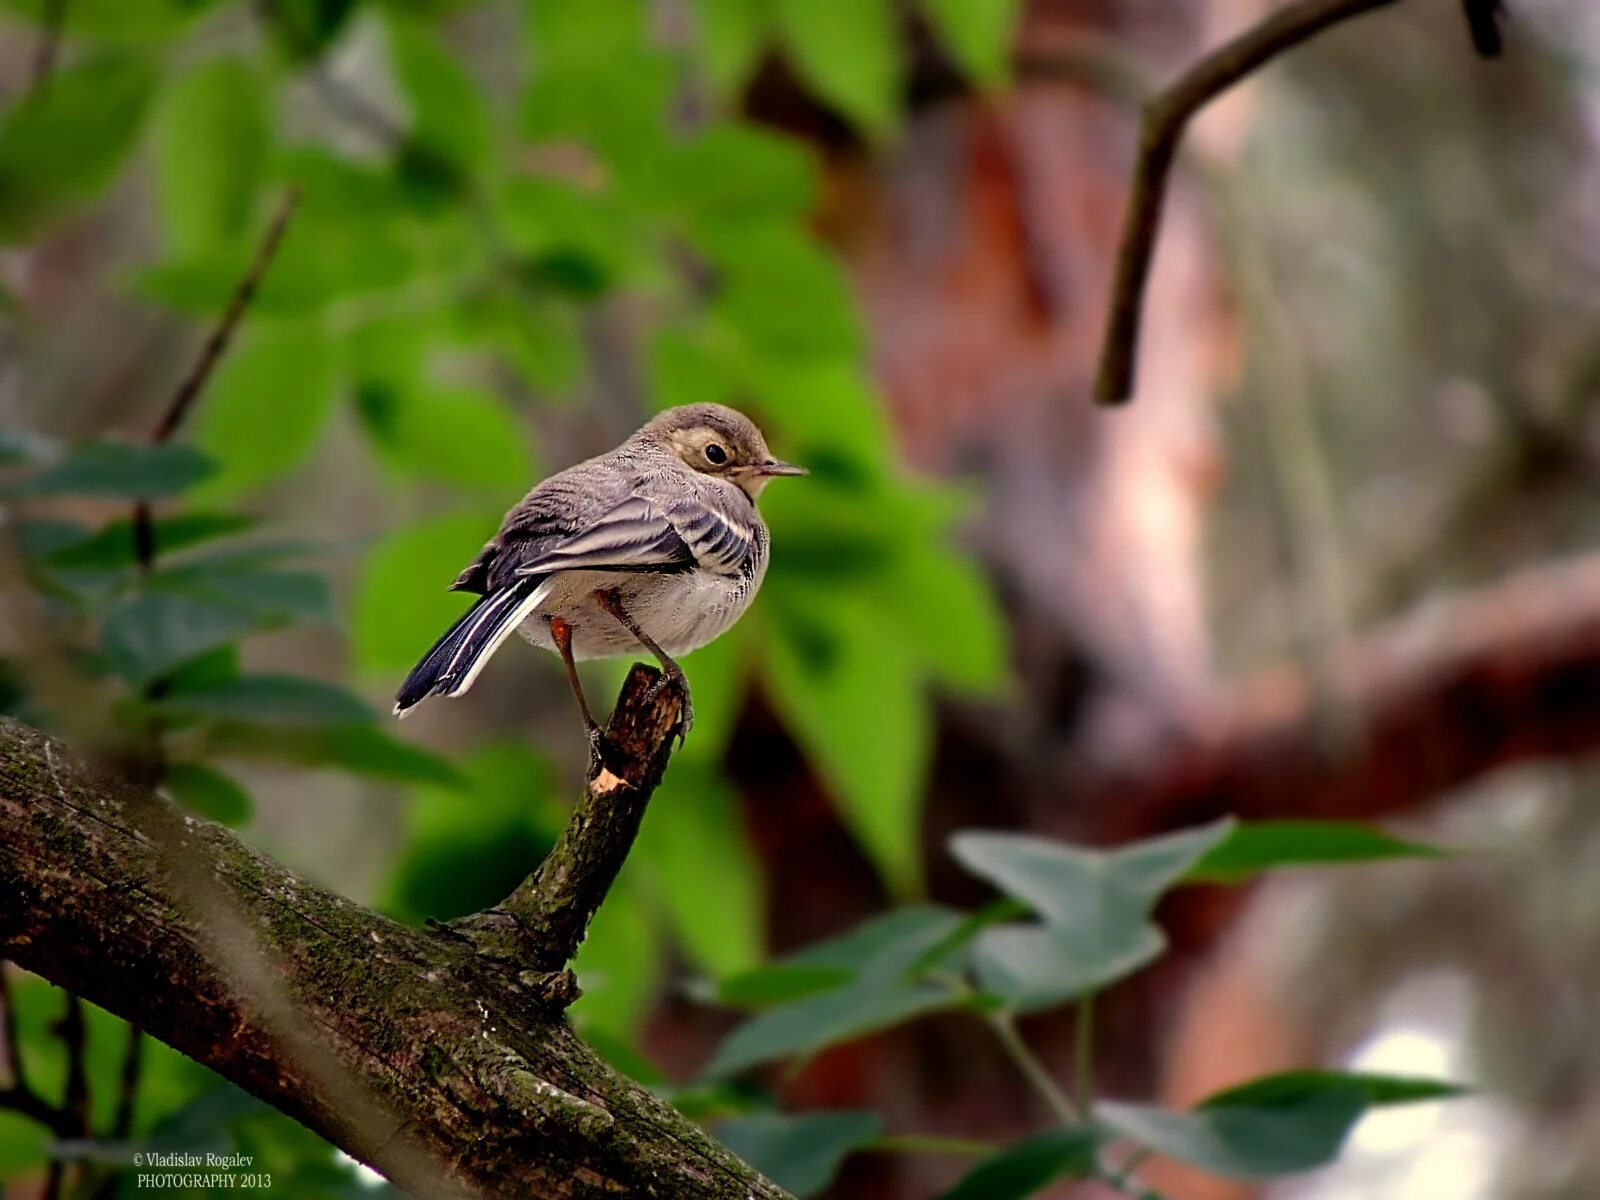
{"x": 451, "y": 237}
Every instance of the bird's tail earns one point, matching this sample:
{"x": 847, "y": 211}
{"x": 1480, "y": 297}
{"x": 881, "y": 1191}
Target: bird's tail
{"x": 449, "y": 668}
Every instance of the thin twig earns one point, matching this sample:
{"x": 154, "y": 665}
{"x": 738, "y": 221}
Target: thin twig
{"x": 44, "y": 59}
{"x": 18, "y": 1095}
{"x": 74, "y": 1034}
{"x": 128, "y": 1084}
{"x": 1483, "y": 23}
{"x": 1083, "y": 1052}
{"x": 10, "y": 1041}
{"x": 1162, "y": 125}
{"x": 1004, "y": 1025}
{"x": 183, "y": 399}
{"x": 210, "y": 354}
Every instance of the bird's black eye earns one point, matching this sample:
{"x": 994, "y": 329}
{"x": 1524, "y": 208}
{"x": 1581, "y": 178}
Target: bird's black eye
{"x": 716, "y": 455}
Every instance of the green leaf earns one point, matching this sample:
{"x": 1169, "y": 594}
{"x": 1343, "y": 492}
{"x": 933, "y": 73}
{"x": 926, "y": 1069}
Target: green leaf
{"x": 816, "y": 1022}
{"x": 24, "y": 1146}
{"x": 1279, "y": 1125}
{"x": 270, "y": 700}
{"x": 1027, "y": 1166}
{"x": 1031, "y": 968}
{"x": 448, "y": 116}
{"x": 778, "y": 983}
{"x": 729, "y": 37}
{"x": 466, "y": 849}
{"x": 619, "y": 965}
{"x": 460, "y": 435}
{"x": 1096, "y": 906}
{"x": 781, "y": 291}
{"x": 1083, "y": 891}
{"x": 117, "y": 20}
{"x": 718, "y": 916}
{"x": 402, "y": 603}
{"x": 564, "y": 231}
{"x": 848, "y": 51}
{"x": 361, "y": 749}
{"x": 977, "y": 33}
{"x": 112, "y": 547}
{"x": 265, "y": 407}
{"x": 212, "y": 139}
{"x": 122, "y": 470}
{"x": 1252, "y": 847}
{"x": 275, "y": 596}
{"x": 801, "y": 1153}
{"x": 955, "y": 625}
{"x": 61, "y": 145}
{"x": 885, "y": 946}
{"x": 881, "y": 961}
{"x": 1378, "y": 1090}
{"x": 148, "y": 636}
{"x": 740, "y": 172}
{"x": 308, "y": 27}
{"x": 848, "y": 690}
{"x": 208, "y": 792}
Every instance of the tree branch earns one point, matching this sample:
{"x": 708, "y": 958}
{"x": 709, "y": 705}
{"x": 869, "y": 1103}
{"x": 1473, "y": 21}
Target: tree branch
{"x": 543, "y": 922}
{"x": 1504, "y": 675}
{"x": 1163, "y": 123}
{"x": 472, "y": 1057}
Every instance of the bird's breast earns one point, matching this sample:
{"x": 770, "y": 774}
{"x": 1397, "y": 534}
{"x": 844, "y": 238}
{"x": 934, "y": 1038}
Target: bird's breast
{"x": 681, "y": 611}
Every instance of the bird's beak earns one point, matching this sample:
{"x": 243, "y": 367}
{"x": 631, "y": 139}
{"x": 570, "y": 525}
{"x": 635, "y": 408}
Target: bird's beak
{"x": 773, "y": 467}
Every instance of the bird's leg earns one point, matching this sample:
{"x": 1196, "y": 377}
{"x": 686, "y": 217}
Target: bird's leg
{"x": 561, "y": 635}
{"x": 672, "y": 673}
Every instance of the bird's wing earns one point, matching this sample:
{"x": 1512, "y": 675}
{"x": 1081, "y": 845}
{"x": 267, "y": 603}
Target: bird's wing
{"x": 633, "y": 535}
{"x": 646, "y": 524}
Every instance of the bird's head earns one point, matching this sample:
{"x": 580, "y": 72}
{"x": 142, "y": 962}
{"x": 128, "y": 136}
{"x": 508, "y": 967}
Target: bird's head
{"x": 716, "y": 440}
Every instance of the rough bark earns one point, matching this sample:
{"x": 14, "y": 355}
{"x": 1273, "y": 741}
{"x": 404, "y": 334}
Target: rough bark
{"x": 426, "y": 1053}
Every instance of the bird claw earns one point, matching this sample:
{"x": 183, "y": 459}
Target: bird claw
{"x": 597, "y": 749}
{"x": 679, "y": 681}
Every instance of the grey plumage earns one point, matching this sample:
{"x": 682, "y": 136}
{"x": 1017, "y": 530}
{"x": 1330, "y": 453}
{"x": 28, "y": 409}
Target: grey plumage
{"x": 661, "y": 535}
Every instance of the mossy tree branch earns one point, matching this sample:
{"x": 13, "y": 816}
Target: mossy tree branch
{"x": 474, "y": 1085}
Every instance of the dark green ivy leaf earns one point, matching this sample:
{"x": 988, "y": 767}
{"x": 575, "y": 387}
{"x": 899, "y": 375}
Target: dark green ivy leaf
{"x": 270, "y": 700}
{"x": 148, "y": 636}
{"x": 802, "y": 1153}
{"x": 208, "y": 792}
{"x": 1278, "y": 1125}
{"x": 1023, "y": 1168}
{"x": 122, "y": 470}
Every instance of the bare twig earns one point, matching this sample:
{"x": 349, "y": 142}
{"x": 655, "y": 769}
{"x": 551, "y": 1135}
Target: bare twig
{"x": 183, "y": 399}
{"x": 10, "y": 1040}
{"x": 128, "y": 1084}
{"x": 44, "y": 59}
{"x": 1162, "y": 125}
{"x": 18, "y": 1095}
{"x": 74, "y": 1034}
{"x": 1483, "y": 22}
{"x": 210, "y": 354}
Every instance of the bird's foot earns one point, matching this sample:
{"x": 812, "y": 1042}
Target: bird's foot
{"x": 597, "y": 749}
{"x": 674, "y": 677}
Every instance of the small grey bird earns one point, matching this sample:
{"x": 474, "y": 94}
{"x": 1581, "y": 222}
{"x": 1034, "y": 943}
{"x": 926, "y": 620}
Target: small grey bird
{"x": 657, "y": 544}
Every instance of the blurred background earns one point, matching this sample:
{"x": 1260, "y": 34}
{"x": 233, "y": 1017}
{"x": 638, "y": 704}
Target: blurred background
{"x": 1328, "y": 562}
